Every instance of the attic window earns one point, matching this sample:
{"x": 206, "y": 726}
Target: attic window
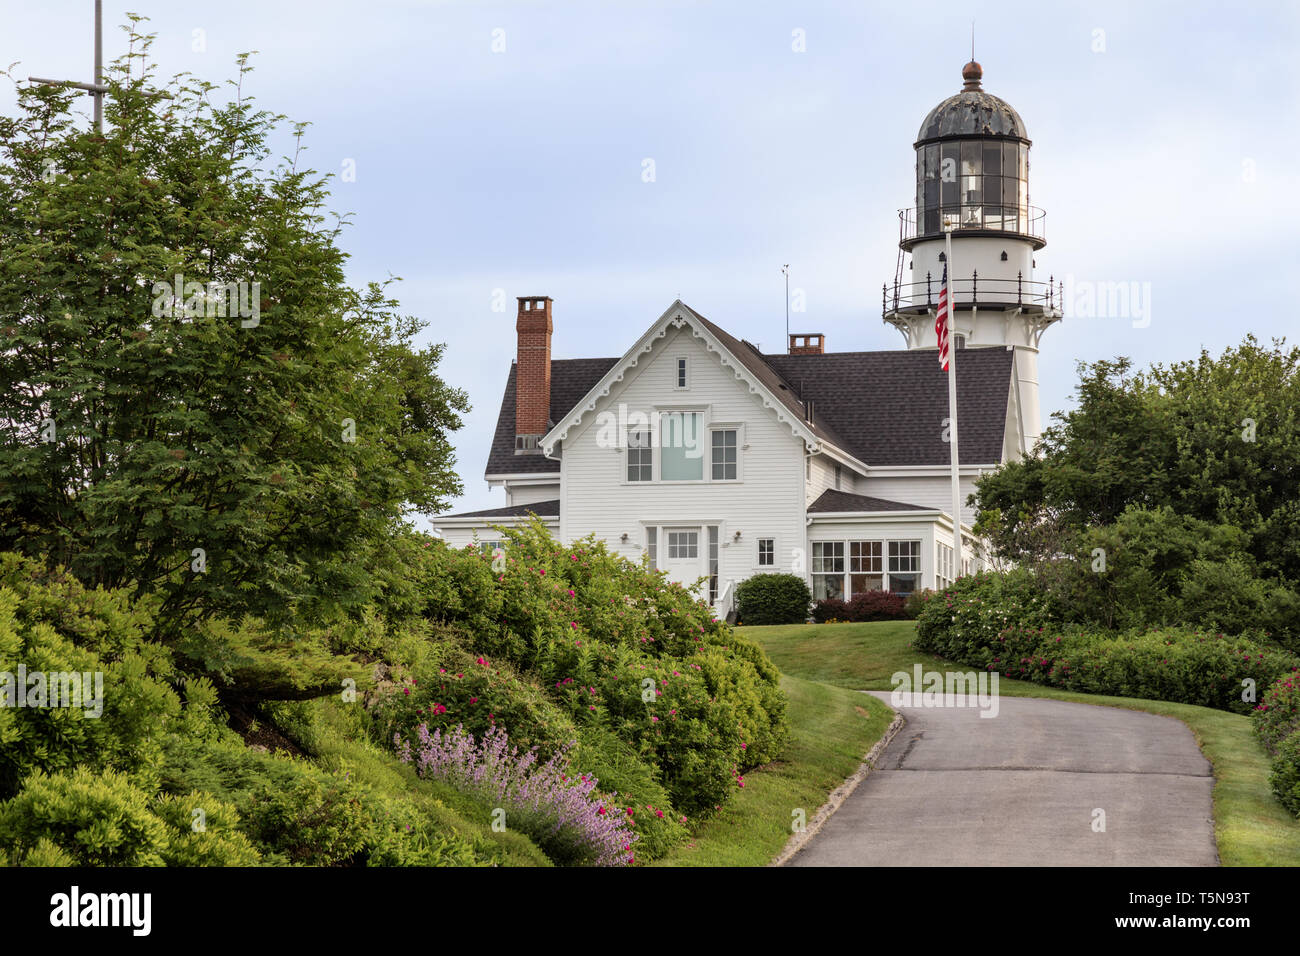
{"x": 681, "y": 373}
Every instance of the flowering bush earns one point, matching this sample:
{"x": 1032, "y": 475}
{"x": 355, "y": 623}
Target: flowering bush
{"x": 613, "y": 647}
{"x": 1001, "y": 623}
{"x": 1277, "y": 724}
{"x": 566, "y": 816}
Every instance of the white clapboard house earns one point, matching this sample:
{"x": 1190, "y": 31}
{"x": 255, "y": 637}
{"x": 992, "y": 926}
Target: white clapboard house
{"x": 715, "y": 461}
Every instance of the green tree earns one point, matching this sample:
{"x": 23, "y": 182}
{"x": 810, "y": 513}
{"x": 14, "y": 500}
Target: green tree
{"x": 195, "y": 400}
{"x": 1214, "y": 439}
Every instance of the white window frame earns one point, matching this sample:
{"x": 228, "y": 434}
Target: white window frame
{"x": 627, "y": 457}
{"x": 758, "y": 552}
{"x": 919, "y": 571}
{"x": 669, "y": 544}
{"x": 682, "y": 373}
{"x": 739, "y": 429}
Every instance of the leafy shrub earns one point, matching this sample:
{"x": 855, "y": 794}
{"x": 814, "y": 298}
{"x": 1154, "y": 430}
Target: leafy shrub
{"x": 978, "y": 608}
{"x": 85, "y": 818}
{"x": 772, "y": 599}
{"x": 124, "y": 729}
{"x": 916, "y": 601}
{"x": 567, "y": 817}
{"x": 583, "y": 629}
{"x": 618, "y": 768}
{"x": 1277, "y": 724}
{"x": 96, "y": 819}
{"x": 867, "y": 606}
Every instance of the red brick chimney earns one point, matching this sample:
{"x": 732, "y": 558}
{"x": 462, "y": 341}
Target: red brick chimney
{"x": 807, "y": 343}
{"x": 533, "y": 373}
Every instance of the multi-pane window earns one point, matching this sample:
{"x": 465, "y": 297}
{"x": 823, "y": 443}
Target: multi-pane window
{"x": 490, "y": 548}
{"x": 681, "y": 452}
{"x": 683, "y": 544}
{"x": 681, "y": 373}
{"x": 652, "y": 546}
{"x": 766, "y": 552}
{"x": 828, "y": 569}
{"x": 904, "y": 566}
{"x": 943, "y": 572}
{"x": 866, "y": 566}
{"x": 640, "y": 457}
{"x": 724, "y": 454}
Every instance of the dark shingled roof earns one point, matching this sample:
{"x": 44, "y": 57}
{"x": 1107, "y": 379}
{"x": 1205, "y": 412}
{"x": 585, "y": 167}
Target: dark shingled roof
{"x": 890, "y": 406}
{"x": 883, "y": 408}
{"x": 832, "y": 500}
{"x": 571, "y": 379}
{"x": 543, "y": 509}
{"x": 759, "y": 366}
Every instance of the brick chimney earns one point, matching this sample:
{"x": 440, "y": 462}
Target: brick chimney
{"x": 807, "y": 343}
{"x": 533, "y": 373}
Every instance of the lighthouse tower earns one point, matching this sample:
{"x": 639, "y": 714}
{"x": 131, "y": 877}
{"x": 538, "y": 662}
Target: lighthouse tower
{"x": 972, "y": 176}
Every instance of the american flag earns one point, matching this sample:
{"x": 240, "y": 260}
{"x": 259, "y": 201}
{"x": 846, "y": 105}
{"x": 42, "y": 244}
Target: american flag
{"x": 941, "y": 321}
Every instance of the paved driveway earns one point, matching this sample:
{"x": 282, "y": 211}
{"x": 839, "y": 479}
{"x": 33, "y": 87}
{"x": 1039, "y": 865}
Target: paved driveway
{"x": 1022, "y": 788}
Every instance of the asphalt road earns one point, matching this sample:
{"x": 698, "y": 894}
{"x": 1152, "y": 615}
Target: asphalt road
{"x": 1024, "y": 788}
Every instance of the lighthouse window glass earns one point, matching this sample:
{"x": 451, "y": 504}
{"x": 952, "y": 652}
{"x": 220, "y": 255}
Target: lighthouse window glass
{"x": 970, "y": 159}
{"x": 992, "y": 159}
{"x": 950, "y": 186}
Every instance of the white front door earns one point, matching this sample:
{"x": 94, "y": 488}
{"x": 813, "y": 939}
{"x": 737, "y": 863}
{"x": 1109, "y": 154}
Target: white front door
{"x": 683, "y": 554}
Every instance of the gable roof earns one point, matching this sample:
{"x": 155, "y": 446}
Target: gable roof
{"x": 839, "y": 501}
{"x": 570, "y": 380}
{"x": 889, "y": 407}
{"x": 881, "y": 408}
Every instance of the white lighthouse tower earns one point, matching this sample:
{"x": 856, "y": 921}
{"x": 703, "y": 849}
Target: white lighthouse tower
{"x": 972, "y": 171}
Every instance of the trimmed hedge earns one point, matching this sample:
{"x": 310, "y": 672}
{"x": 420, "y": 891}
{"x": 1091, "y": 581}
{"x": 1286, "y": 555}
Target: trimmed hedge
{"x": 773, "y": 599}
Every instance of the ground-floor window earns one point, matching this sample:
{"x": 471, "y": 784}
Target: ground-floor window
{"x": 827, "y": 569}
{"x": 943, "y": 566}
{"x": 904, "y": 566}
{"x": 870, "y": 566}
{"x": 766, "y": 552}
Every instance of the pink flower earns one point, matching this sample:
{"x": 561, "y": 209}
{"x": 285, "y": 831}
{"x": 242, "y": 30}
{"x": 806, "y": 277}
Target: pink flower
{"x": 570, "y": 592}
{"x": 482, "y": 662}
{"x": 659, "y": 814}
{"x": 473, "y": 700}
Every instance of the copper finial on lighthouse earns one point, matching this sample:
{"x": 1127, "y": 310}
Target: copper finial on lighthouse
{"x": 972, "y": 73}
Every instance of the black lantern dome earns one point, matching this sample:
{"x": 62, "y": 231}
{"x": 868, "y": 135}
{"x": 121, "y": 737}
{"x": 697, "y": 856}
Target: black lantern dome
{"x": 972, "y": 168}
{"x": 972, "y": 112}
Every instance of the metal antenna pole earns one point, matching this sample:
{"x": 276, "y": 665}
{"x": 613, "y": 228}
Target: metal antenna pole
{"x": 785, "y": 271}
{"x": 96, "y": 89}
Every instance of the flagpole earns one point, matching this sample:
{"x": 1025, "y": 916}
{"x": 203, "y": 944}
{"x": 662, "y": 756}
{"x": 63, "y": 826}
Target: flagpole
{"x": 952, "y": 402}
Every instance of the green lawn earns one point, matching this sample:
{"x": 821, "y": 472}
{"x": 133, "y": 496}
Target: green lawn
{"x": 1251, "y": 827}
{"x": 831, "y": 731}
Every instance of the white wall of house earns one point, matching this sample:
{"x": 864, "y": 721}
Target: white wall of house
{"x": 928, "y": 491}
{"x": 528, "y": 494}
{"x": 822, "y": 478}
{"x": 764, "y": 501}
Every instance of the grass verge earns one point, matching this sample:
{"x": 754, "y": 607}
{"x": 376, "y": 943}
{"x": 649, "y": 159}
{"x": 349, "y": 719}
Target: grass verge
{"x": 1251, "y": 827}
{"x": 831, "y": 730}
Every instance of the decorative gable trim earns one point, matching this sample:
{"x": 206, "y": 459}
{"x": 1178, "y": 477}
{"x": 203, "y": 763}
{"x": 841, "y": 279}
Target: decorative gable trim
{"x": 678, "y": 315}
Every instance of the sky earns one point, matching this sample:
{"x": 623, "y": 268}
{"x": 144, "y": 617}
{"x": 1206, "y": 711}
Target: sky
{"x": 500, "y": 149}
